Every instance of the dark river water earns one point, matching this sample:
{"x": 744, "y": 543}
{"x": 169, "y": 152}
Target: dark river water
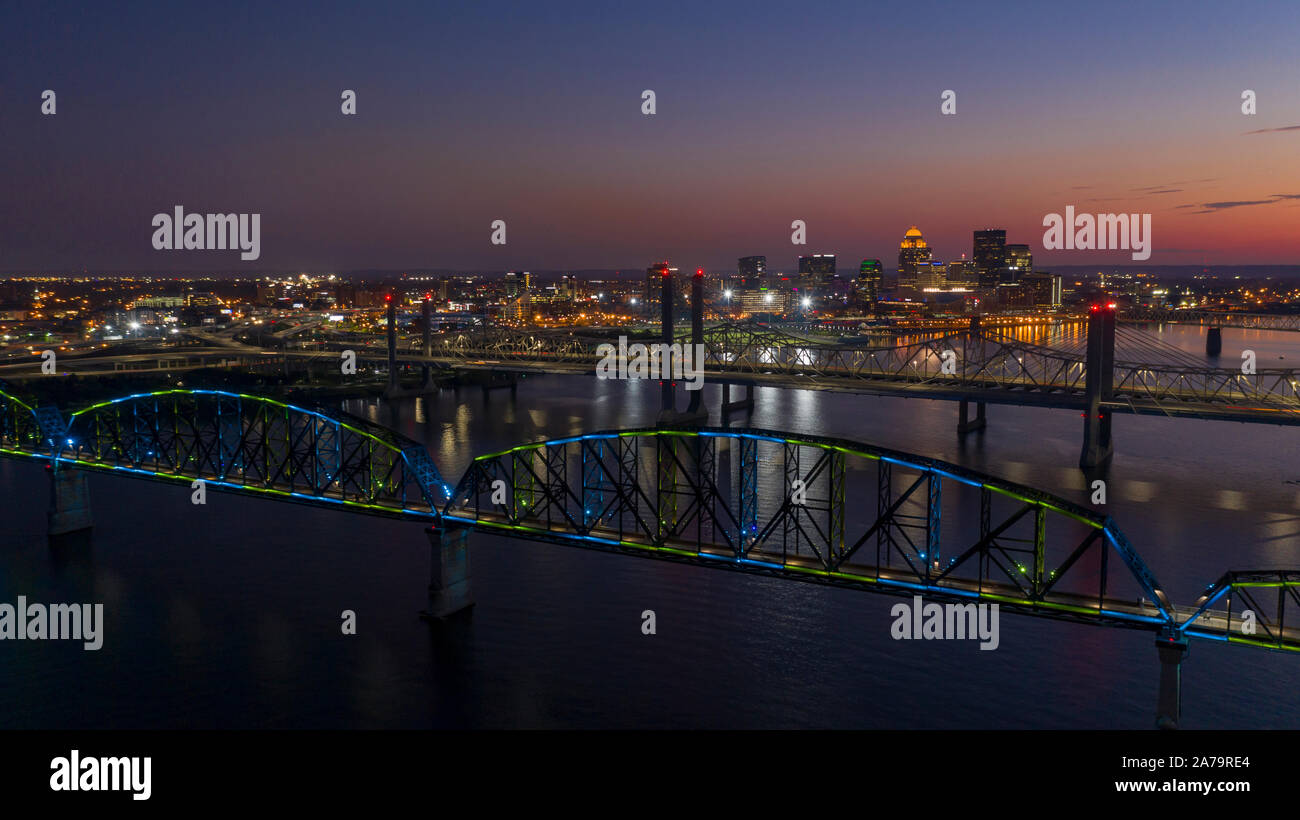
{"x": 228, "y": 615}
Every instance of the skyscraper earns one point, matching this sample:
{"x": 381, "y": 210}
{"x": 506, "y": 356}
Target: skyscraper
{"x": 990, "y": 255}
{"x": 962, "y": 272}
{"x": 818, "y": 268}
{"x": 654, "y": 283}
{"x": 1046, "y": 288}
{"x": 931, "y": 275}
{"x": 912, "y": 251}
{"x": 1019, "y": 262}
{"x": 752, "y": 270}
{"x": 870, "y": 273}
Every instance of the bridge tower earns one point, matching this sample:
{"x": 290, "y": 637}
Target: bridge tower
{"x": 392, "y": 343}
{"x": 426, "y": 346}
{"x": 1099, "y": 387}
{"x": 667, "y": 397}
{"x": 697, "y": 336}
{"x": 965, "y": 424}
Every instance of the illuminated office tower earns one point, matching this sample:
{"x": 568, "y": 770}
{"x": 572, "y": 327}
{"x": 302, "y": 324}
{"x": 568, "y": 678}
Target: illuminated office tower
{"x": 1019, "y": 262}
{"x": 870, "y": 273}
{"x": 752, "y": 271}
{"x": 912, "y": 251}
{"x": 817, "y": 269}
{"x": 990, "y": 255}
{"x": 931, "y": 275}
{"x": 1045, "y": 287}
{"x": 962, "y": 273}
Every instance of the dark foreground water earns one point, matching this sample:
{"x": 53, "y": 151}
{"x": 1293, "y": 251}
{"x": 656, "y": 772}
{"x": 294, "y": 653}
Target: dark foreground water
{"x": 228, "y": 615}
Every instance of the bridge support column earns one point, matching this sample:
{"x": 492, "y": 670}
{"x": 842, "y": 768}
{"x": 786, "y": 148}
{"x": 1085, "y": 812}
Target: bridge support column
{"x": 746, "y": 403}
{"x": 501, "y": 381}
{"x": 69, "y": 501}
{"x": 965, "y": 424}
{"x": 393, "y": 383}
{"x": 449, "y": 578}
{"x": 1169, "y": 707}
{"x": 1214, "y": 342}
{"x": 695, "y": 408}
{"x": 667, "y": 399}
{"x": 427, "y": 340}
{"x": 1099, "y": 380}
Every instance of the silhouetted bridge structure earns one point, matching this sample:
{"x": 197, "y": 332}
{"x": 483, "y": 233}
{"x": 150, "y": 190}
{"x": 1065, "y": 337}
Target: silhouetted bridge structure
{"x": 977, "y": 365}
{"x": 1117, "y": 370}
{"x": 1216, "y": 318}
{"x": 796, "y": 507}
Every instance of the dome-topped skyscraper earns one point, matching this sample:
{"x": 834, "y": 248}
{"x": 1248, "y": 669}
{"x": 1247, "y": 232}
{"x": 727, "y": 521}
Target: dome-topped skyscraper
{"x": 912, "y": 251}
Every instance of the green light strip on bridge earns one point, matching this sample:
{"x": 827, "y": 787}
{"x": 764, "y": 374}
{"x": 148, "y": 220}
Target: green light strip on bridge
{"x": 1265, "y": 645}
{"x": 1265, "y": 584}
{"x": 16, "y": 400}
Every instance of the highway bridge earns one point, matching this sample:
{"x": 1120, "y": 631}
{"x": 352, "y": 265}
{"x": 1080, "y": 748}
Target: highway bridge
{"x": 1215, "y": 318}
{"x": 1118, "y": 370}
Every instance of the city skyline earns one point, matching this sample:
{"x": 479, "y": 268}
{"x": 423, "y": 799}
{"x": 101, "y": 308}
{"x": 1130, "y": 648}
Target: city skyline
{"x": 749, "y": 133}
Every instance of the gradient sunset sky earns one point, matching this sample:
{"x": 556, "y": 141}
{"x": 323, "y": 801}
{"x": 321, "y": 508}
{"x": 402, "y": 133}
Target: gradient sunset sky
{"x": 531, "y": 113}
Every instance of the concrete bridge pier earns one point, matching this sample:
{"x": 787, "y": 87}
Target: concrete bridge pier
{"x": 500, "y": 380}
{"x": 965, "y": 424}
{"x": 746, "y": 403}
{"x": 449, "y": 576}
{"x": 69, "y": 501}
{"x": 1098, "y": 448}
{"x": 1169, "y": 707}
{"x": 1214, "y": 342}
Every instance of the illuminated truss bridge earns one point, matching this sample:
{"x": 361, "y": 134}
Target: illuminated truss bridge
{"x": 803, "y": 508}
{"x": 1216, "y": 318}
{"x": 977, "y": 364}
